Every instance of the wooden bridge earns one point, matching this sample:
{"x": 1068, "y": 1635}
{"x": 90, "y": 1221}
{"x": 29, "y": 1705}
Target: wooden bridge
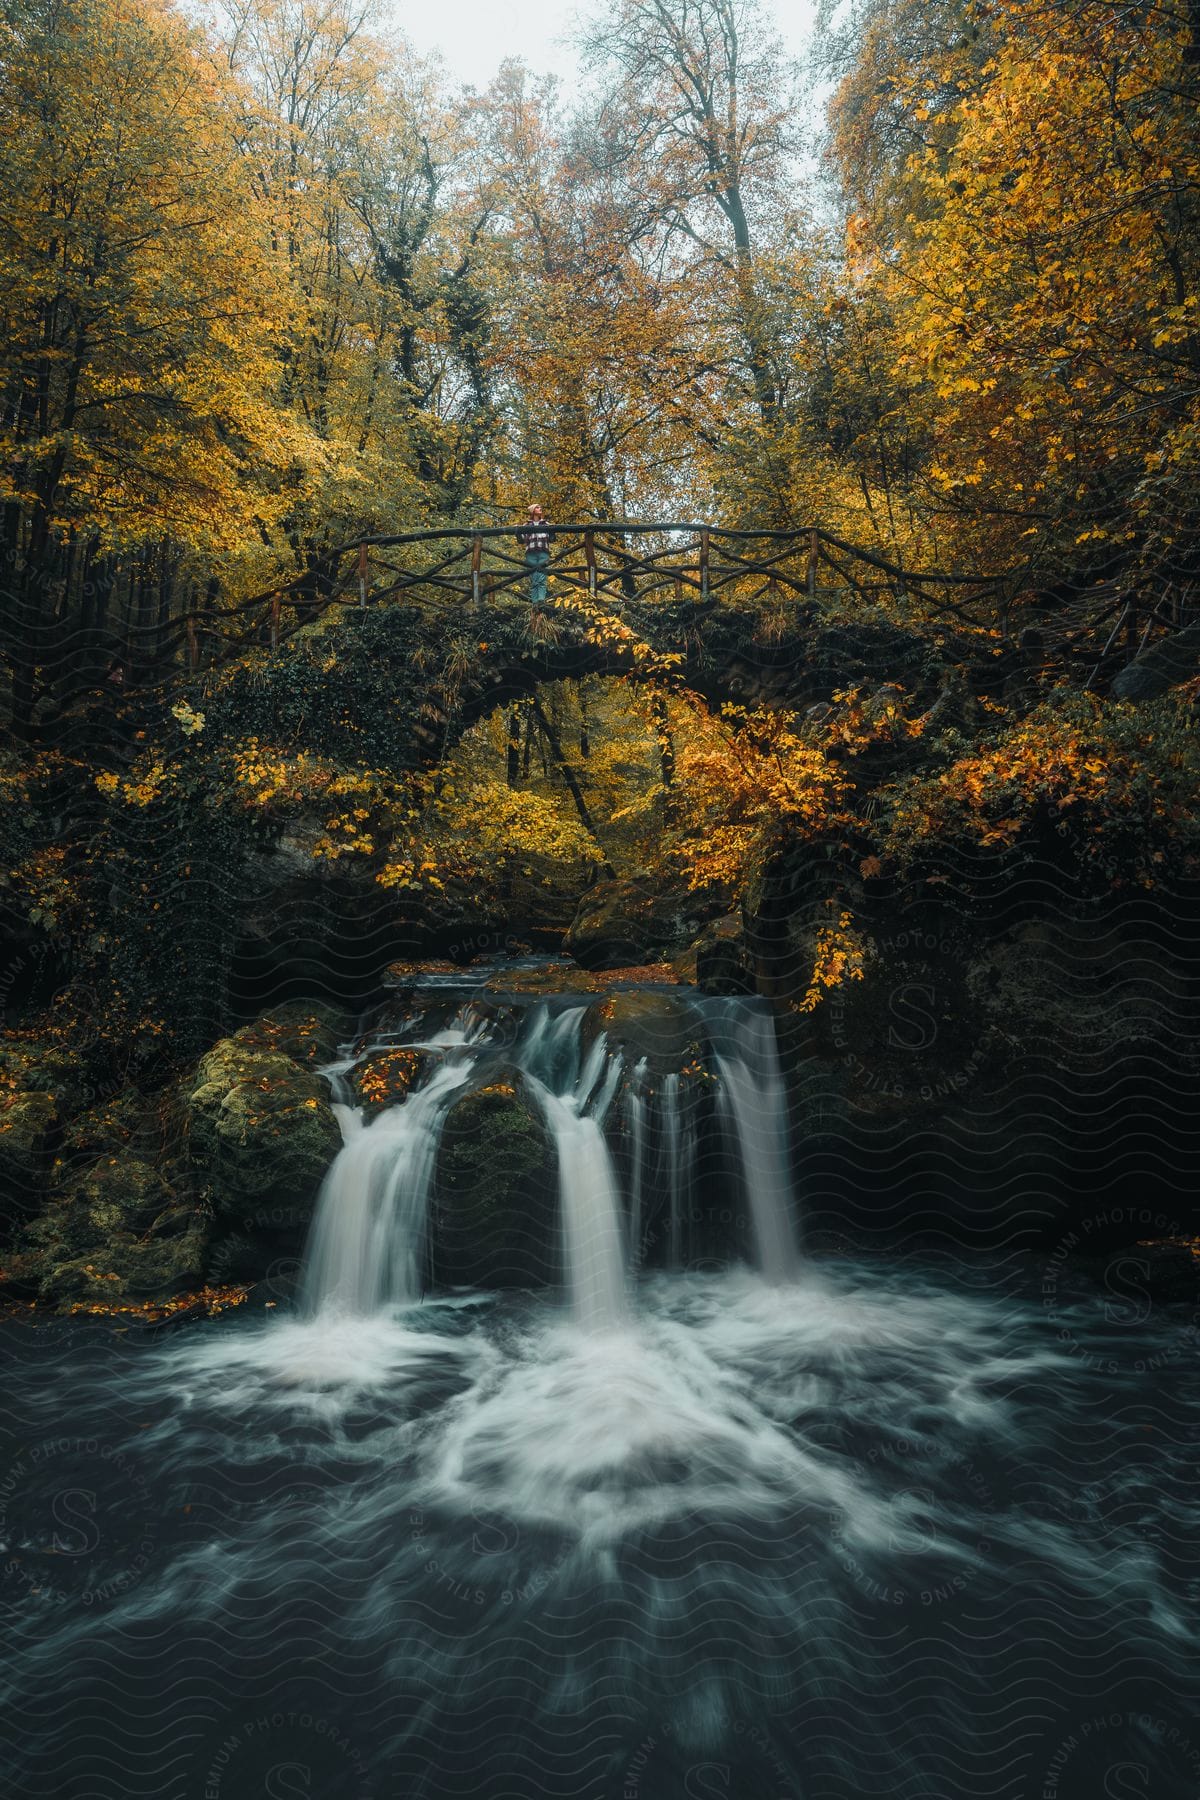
{"x": 608, "y": 565}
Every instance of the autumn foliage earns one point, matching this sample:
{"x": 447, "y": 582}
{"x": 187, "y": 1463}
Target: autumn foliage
{"x": 269, "y": 285}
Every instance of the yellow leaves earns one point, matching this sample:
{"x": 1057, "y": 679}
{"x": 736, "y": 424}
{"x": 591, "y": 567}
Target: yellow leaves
{"x": 1029, "y": 278}
{"x": 840, "y": 956}
{"x": 746, "y": 780}
{"x": 190, "y": 723}
{"x": 1112, "y": 775}
{"x": 140, "y": 792}
{"x": 160, "y": 409}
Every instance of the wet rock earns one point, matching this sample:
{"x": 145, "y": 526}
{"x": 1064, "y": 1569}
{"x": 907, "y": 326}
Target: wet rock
{"x": 260, "y": 1127}
{"x": 545, "y": 978}
{"x": 310, "y": 1032}
{"x": 270, "y": 1255}
{"x": 724, "y": 961}
{"x": 113, "y": 1230}
{"x": 403, "y": 976}
{"x": 496, "y": 1193}
{"x": 619, "y": 924}
{"x": 388, "y": 1077}
{"x": 659, "y": 1028}
{"x": 28, "y": 1122}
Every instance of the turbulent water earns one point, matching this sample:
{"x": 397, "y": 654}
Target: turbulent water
{"x": 801, "y": 1532}
{"x": 369, "y": 1243}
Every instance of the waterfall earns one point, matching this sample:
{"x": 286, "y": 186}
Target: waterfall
{"x": 637, "y": 1160}
{"x": 589, "y": 1197}
{"x": 368, "y": 1238}
{"x": 679, "y": 1130}
{"x": 753, "y": 1100}
{"x": 590, "y": 1204}
{"x": 367, "y": 1248}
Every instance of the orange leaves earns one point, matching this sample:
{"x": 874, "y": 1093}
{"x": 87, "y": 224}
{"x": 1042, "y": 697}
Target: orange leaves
{"x": 209, "y": 1300}
{"x": 749, "y": 779}
{"x": 840, "y": 956}
{"x": 1035, "y": 283}
{"x": 1120, "y": 780}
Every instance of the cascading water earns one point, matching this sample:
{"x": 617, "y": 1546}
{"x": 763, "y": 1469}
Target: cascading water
{"x": 369, "y": 1230}
{"x": 884, "y": 1526}
{"x": 368, "y": 1246}
{"x": 752, "y": 1097}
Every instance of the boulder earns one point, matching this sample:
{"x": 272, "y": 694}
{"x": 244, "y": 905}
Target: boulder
{"x": 495, "y": 1213}
{"x": 1080, "y": 998}
{"x": 172, "y": 1262}
{"x": 28, "y": 1122}
{"x": 619, "y": 924}
{"x": 907, "y": 1038}
{"x": 388, "y": 1077}
{"x": 724, "y": 961}
{"x": 125, "y": 1121}
{"x": 310, "y": 1032}
{"x": 543, "y": 978}
{"x": 113, "y": 1231}
{"x": 260, "y": 1128}
{"x": 661, "y": 1029}
{"x": 44, "y": 1065}
{"x": 111, "y": 1195}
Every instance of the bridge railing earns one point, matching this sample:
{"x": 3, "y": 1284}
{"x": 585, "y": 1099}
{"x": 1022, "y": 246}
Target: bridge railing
{"x": 609, "y": 565}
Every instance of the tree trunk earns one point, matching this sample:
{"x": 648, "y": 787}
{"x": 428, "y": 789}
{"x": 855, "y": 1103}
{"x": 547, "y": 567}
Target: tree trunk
{"x": 569, "y": 776}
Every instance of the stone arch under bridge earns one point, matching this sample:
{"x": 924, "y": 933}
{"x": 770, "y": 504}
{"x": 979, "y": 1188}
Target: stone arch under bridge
{"x": 668, "y": 602}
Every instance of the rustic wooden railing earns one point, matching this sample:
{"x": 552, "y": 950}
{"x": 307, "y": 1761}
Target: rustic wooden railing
{"x": 611, "y": 565}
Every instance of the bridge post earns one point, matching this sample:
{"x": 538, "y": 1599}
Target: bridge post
{"x": 589, "y": 551}
{"x": 703, "y": 563}
{"x": 274, "y": 621}
{"x": 192, "y": 644}
{"x": 814, "y": 546}
{"x": 362, "y": 574}
{"x": 476, "y": 562}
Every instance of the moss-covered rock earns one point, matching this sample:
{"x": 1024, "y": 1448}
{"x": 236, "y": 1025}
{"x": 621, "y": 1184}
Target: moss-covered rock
{"x": 127, "y": 1121}
{"x": 388, "y": 1077}
{"x": 171, "y": 1262}
{"x": 33, "y": 1063}
{"x": 495, "y": 1209}
{"x": 661, "y": 1029}
{"x": 28, "y": 1122}
{"x": 724, "y": 962}
{"x": 622, "y": 923}
{"x": 308, "y": 1031}
{"x": 260, "y": 1128}
{"x": 113, "y": 1230}
{"x": 544, "y": 978}
{"x": 113, "y": 1194}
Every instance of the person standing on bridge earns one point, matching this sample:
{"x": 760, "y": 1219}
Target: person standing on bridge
{"x": 534, "y": 537}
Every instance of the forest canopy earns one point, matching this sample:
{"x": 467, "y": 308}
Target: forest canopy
{"x": 270, "y": 286}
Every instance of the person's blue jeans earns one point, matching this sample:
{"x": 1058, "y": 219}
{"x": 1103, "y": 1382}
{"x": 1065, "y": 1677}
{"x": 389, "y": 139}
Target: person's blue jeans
{"x": 537, "y": 562}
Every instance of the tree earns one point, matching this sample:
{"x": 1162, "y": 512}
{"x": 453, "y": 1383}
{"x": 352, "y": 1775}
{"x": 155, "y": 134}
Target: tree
{"x": 694, "y": 119}
{"x": 1042, "y": 299}
{"x": 139, "y": 313}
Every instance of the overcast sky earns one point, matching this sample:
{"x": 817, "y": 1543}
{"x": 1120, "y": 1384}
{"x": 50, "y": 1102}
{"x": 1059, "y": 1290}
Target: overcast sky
{"x": 474, "y": 36}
